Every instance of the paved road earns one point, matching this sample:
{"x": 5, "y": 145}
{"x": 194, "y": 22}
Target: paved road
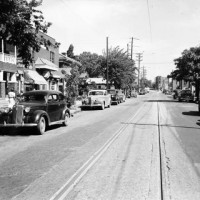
{"x": 143, "y": 135}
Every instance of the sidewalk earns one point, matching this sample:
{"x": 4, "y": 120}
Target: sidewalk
{"x": 74, "y": 110}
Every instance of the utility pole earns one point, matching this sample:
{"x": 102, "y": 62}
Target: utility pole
{"x": 106, "y": 62}
{"x": 139, "y": 59}
{"x": 127, "y": 50}
{"x": 132, "y": 46}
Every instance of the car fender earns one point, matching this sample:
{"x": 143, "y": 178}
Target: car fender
{"x": 38, "y": 113}
{"x": 64, "y": 111}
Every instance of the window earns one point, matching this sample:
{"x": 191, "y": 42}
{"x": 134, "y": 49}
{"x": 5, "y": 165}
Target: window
{"x": 52, "y": 56}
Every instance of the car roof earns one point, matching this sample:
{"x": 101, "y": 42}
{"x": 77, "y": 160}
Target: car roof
{"x": 43, "y": 92}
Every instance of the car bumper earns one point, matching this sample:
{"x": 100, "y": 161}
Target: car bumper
{"x": 18, "y": 125}
{"x": 93, "y": 105}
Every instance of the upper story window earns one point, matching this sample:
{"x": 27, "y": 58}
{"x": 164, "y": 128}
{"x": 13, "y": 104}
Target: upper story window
{"x": 52, "y": 56}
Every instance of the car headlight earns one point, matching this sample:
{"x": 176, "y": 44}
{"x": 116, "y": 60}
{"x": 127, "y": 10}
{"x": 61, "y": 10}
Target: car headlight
{"x": 6, "y": 110}
{"x": 27, "y": 109}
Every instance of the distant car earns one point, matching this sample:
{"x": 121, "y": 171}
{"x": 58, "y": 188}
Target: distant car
{"x": 122, "y": 96}
{"x": 97, "y": 99}
{"x": 186, "y": 95}
{"x": 142, "y": 92}
{"x": 115, "y": 98}
{"x": 39, "y": 109}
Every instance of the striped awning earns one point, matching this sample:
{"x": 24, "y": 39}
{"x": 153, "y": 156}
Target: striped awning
{"x": 42, "y": 63}
{"x": 31, "y": 76}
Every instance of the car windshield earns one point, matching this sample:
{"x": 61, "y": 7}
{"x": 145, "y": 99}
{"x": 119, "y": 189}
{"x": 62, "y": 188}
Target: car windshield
{"x": 95, "y": 93}
{"x": 33, "y": 98}
{"x": 111, "y": 91}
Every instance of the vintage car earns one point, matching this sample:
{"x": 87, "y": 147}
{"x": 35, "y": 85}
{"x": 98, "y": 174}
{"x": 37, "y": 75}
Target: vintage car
{"x": 115, "y": 99}
{"x": 186, "y": 95}
{"x": 39, "y": 109}
{"x": 122, "y": 96}
{"x": 97, "y": 99}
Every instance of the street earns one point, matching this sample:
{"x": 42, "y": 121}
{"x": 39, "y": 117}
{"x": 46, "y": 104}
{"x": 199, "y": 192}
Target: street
{"x": 145, "y": 148}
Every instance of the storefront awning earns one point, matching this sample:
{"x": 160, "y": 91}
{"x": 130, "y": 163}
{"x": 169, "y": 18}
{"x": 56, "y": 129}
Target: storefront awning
{"x": 32, "y": 76}
{"x": 42, "y": 63}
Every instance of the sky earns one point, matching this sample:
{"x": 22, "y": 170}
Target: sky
{"x": 162, "y": 29}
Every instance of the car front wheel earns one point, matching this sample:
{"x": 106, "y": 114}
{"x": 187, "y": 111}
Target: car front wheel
{"x": 66, "y": 119}
{"x": 41, "y": 126}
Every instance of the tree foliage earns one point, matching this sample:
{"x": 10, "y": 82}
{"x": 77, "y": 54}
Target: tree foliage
{"x": 20, "y": 22}
{"x": 121, "y": 69}
{"x": 70, "y": 51}
{"x": 188, "y": 65}
{"x": 72, "y": 82}
{"x": 91, "y": 63}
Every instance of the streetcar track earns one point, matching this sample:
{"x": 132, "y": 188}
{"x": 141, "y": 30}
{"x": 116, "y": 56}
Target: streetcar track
{"x": 160, "y": 153}
{"x": 78, "y": 175}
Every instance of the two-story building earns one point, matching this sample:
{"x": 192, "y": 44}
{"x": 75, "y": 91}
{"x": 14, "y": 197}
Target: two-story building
{"x": 11, "y": 75}
{"x": 41, "y": 74}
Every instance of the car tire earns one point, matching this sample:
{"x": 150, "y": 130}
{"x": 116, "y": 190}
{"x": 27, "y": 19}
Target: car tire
{"x": 66, "y": 119}
{"x": 109, "y": 105}
{"x": 41, "y": 126}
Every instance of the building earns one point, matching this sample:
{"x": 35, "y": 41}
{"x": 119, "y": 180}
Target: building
{"x": 162, "y": 83}
{"x": 41, "y": 75}
{"x": 11, "y": 75}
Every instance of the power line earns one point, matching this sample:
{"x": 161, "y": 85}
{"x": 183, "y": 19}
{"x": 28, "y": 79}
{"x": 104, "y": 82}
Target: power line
{"x": 149, "y": 19}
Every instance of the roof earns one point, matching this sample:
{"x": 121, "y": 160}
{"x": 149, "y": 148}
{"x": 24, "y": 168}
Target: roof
{"x": 33, "y": 77}
{"x": 96, "y": 80}
{"x": 42, "y": 63}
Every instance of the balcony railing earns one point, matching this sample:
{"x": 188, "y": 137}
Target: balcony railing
{"x": 7, "y": 58}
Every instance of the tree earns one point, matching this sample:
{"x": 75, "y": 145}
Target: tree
{"x": 70, "y": 51}
{"x": 121, "y": 69}
{"x": 91, "y": 63}
{"x": 188, "y": 67}
{"x": 72, "y": 82}
{"x": 20, "y": 23}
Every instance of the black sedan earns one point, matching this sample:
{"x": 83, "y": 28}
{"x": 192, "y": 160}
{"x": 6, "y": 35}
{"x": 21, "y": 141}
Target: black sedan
{"x": 39, "y": 109}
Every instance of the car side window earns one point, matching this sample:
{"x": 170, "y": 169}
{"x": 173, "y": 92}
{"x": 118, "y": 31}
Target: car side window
{"x": 50, "y": 98}
{"x": 55, "y": 97}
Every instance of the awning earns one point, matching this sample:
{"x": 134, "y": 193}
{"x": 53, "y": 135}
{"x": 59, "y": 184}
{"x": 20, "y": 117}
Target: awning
{"x": 8, "y": 67}
{"x": 32, "y": 76}
{"x": 61, "y": 73}
{"x": 42, "y": 63}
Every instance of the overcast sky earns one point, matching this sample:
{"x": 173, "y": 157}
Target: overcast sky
{"x": 164, "y": 30}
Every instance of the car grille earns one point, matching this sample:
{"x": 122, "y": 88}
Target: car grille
{"x": 17, "y": 117}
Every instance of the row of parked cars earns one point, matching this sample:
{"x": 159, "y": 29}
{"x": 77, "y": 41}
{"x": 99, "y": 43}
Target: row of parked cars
{"x": 103, "y": 98}
{"x": 40, "y": 109}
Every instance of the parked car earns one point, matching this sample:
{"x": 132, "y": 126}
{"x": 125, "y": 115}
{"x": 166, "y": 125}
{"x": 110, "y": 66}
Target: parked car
{"x": 97, "y": 99}
{"x": 115, "y": 99}
{"x": 121, "y": 95}
{"x": 186, "y": 95}
{"x": 142, "y": 92}
{"x": 39, "y": 109}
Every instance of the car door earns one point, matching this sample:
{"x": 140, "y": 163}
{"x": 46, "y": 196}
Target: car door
{"x": 53, "y": 107}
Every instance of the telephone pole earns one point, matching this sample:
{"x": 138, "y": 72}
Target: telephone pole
{"x": 132, "y": 46}
{"x": 106, "y": 62}
{"x": 139, "y": 59}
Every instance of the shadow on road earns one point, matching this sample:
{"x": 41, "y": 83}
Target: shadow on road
{"x": 191, "y": 113}
{"x": 163, "y": 125}
{"x": 17, "y": 132}
{"x": 167, "y": 101}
